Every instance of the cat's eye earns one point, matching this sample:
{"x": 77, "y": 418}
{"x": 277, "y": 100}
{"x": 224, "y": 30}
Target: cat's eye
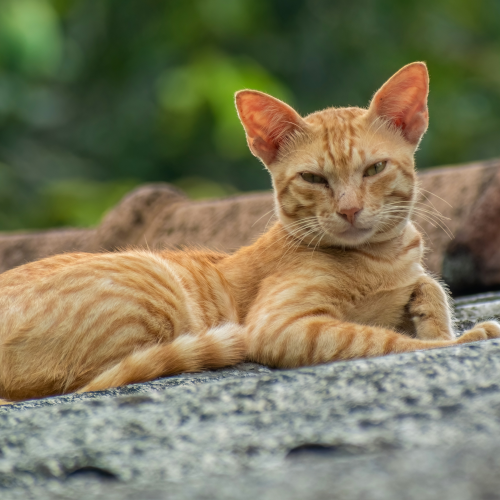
{"x": 313, "y": 178}
{"x": 375, "y": 168}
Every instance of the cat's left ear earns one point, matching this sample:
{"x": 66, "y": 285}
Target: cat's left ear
{"x": 268, "y": 123}
{"x": 402, "y": 101}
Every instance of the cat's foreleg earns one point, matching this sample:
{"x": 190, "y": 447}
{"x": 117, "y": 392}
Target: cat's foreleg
{"x": 312, "y": 340}
{"x": 430, "y": 311}
{"x": 218, "y": 347}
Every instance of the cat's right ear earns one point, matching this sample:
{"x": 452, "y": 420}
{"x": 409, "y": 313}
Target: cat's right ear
{"x": 402, "y": 101}
{"x": 268, "y": 123}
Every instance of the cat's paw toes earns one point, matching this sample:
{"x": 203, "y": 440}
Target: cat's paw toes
{"x": 492, "y": 328}
{"x": 473, "y": 336}
{"x": 482, "y": 331}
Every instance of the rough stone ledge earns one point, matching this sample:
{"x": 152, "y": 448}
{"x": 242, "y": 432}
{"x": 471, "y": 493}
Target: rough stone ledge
{"x": 343, "y": 430}
{"x": 467, "y": 471}
{"x": 144, "y": 390}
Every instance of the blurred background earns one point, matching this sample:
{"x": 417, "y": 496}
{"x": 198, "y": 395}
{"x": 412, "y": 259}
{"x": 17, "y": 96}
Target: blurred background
{"x": 97, "y": 96}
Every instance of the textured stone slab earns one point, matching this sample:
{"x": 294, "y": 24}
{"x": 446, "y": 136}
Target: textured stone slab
{"x": 353, "y": 428}
{"x": 460, "y": 472}
{"x": 468, "y": 310}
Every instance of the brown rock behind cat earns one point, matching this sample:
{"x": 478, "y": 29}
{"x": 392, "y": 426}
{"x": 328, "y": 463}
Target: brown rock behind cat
{"x": 159, "y": 215}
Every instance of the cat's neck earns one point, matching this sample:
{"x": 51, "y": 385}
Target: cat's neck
{"x": 282, "y": 243}
{"x": 278, "y": 250}
{"x": 278, "y": 245}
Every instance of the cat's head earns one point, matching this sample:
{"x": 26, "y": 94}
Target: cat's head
{"x": 342, "y": 176}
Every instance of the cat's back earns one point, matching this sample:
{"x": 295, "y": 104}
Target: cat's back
{"x": 70, "y": 268}
{"x": 57, "y": 287}
{"x": 76, "y": 288}
{"x": 28, "y": 274}
{"x": 78, "y": 272}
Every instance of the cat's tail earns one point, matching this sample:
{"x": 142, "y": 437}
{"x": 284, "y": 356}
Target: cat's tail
{"x": 218, "y": 347}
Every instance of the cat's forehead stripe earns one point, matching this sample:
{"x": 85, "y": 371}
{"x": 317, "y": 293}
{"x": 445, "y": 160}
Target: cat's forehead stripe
{"x": 327, "y": 142}
{"x": 339, "y": 130}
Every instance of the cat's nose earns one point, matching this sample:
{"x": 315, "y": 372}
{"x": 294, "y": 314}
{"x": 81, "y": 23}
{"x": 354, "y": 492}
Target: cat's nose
{"x": 349, "y": 214}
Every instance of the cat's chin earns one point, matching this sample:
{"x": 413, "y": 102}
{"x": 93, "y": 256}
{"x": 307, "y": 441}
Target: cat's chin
{"x": 353, "y": 236}
{"x": 350, "y": 237}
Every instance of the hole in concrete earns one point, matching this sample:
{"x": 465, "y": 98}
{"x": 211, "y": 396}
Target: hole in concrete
{"x": 134, "y": 400}
{"x": 309, "y": 450}
{"x": 410, "y": 401}
{"x": 316, "y": 449}
{"x": 90, "y": 472}
{"x": 448, "y": 409}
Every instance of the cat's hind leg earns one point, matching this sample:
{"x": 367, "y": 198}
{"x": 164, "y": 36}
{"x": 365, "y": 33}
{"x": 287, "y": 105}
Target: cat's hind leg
{"x": 218, "y": 347}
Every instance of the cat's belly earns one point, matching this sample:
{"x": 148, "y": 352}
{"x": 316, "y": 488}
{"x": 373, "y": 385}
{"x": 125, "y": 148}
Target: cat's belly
{"x": 385, "y": 305}
{"x": 382, "y": 297}
{"x": 385, "y": 309}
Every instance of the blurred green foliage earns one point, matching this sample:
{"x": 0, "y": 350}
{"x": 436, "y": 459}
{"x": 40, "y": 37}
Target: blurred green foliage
{"x": 98, "y": 96}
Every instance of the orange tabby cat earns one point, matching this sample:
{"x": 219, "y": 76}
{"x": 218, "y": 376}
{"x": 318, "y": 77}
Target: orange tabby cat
{"x": 336, "y": 278}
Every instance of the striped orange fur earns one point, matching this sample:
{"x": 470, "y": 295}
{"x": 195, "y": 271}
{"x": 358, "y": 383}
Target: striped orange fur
{"x": 339, "y": 276}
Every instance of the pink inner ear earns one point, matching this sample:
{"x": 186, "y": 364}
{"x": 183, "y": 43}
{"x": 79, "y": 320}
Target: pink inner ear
{"x": 267, "y": 122}
{"x": 403, "y": 101}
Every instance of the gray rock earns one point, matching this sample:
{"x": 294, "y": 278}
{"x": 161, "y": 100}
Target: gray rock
{"x": 468, "y": 310}
{"x": 417, "y": 425}
{"x": 461, "y": 472}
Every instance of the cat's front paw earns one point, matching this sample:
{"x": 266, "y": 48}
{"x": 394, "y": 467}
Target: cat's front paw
{"x": 482, "y": 331}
